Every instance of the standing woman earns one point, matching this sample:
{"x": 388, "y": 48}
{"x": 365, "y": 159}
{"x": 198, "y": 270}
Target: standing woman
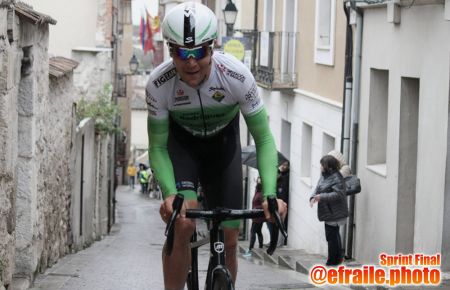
{"x": 332, "y": 206}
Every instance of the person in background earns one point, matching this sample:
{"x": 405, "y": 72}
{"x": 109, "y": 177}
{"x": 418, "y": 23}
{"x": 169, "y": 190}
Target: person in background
{"x": 258, "y": 222}
{"x": 143, "y": 178}
{"x": 332, "y": 208}
{"x": 131, "y": 171}
{"x": 345, "y": 169}
{"x": 283, "y": 194}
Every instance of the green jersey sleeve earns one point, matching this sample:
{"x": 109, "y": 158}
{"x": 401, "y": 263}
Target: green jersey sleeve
{"x": 158, "y": 134}
{"x": 266, "y": 152}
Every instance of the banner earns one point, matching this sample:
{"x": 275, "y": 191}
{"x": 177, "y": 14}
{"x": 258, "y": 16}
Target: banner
{"x": 239, "y": 47}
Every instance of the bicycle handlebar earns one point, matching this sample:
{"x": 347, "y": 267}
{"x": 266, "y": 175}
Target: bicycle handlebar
{"x": 221, "y": 214}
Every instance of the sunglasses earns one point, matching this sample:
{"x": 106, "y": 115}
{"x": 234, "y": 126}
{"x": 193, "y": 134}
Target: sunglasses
{"x": 196, "y": 53}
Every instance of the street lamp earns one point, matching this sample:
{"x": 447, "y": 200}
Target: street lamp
{"x": 230, "y": 12}
{"x": 134, "y": 64}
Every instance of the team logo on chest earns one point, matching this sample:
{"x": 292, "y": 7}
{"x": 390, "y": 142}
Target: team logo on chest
{"x": 218, "y": 96}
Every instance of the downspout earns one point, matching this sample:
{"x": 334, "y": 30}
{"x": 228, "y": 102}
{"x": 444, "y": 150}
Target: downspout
{"x": 355, "y": 123}
{"x": 347, "y": 102}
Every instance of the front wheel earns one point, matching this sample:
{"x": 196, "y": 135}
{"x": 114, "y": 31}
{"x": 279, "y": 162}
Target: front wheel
{"x": 222, "y": 280}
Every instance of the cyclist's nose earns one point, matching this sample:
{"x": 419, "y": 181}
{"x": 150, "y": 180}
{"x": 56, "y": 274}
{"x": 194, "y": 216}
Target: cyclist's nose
{"x": 191, "y": 61}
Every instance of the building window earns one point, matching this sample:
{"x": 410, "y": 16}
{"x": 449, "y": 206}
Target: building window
{"x": 324, "y": 31}
{"x": 328, "y": 143}
{"x": 269, "y": 15}
{"x": 306, "y": 153}
{"x": 286, "y": 138}
{"x": 378, "y": 118}
{"x": 288, "y": 40}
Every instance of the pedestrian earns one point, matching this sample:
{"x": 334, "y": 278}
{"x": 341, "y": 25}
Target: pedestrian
{"x": 332, "y": 206}
{"x": 257, "y": 223}
{"x": 194, "y": 101}
{"x": 131, "y": 171}
{"x": 143, "y": 178}
{"x": 345, "y": 170}
{"x": 283, "y": 194}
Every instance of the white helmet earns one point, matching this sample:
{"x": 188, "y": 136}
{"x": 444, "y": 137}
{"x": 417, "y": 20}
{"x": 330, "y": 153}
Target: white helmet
{"x": 189, "y": 24}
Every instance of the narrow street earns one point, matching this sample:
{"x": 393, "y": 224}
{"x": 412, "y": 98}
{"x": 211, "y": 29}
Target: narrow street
{"x": 130, "y": 257}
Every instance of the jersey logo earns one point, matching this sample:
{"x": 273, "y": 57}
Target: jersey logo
{"x": 165, "y": 77}
{"x": 252, "y": 94}
{"x": 181, "y": 100}
{"x": 235, "y": 75}
{"x": 180, "y": 92}
{"x": 216, "y": 89}
{"x": 218, "y": 96}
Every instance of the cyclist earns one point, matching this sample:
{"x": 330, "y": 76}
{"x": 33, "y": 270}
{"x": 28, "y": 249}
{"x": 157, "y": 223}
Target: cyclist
{"x": 193, "y": 103}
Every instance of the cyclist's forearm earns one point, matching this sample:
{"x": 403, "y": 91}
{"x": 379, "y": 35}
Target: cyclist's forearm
{"x": 266, "y": 151}
{"x": 158, "y": 132}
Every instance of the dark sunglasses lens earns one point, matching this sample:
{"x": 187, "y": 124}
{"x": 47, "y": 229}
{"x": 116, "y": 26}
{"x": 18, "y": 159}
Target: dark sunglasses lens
{"x": 195, "y": 53}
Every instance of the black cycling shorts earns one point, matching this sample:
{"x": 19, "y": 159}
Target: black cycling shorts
{"x": 214, "y": 161}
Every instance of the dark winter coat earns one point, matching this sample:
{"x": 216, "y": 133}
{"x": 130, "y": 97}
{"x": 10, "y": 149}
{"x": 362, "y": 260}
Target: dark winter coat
{"x": 283, "y": 186}
{"x": 333, "y": 201}
{"x": 257, "y": 204}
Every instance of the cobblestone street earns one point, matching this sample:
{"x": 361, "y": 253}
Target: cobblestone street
{"x": 130, "y": 257}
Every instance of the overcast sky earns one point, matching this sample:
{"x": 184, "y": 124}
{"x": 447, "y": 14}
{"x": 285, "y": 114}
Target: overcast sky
{"x": 138, "y": 7}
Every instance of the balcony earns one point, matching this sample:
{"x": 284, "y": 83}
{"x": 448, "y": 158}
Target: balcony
{"x": 276, "y": 60}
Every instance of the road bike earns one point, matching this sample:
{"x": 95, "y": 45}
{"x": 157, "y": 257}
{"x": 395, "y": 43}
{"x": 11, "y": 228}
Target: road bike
{"x": 218, "y": 277}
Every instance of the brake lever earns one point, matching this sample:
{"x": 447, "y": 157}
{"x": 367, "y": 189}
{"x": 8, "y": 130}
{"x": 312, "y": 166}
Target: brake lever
{"x": 176, "y": 206}
{"x": 273, "y": 209}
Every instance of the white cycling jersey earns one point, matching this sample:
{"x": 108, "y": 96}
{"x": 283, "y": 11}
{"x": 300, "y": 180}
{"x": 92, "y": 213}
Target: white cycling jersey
{"x": 205, "y": 110}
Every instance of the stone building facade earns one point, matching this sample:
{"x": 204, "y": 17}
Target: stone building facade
{"x": 45, "y": 213}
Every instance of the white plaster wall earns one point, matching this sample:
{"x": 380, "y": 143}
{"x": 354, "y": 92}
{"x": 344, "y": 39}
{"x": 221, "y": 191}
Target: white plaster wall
{"x": 305, "y": 231}
{"x": 418, "y": 47}
{"x": 73, "y": 17}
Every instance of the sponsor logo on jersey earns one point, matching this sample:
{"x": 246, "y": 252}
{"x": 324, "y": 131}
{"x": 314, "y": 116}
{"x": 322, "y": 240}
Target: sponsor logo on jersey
{"x": 235, "y": 75}
{"x": 150, "y": 105}
{"x": 252, "y": 94}
{"x": 218, "y": 96}
{"x": 150, "y": 99}
{"x": 181, "y": 100}
{"x": 211, "y": 89}
{"x": 180, "y": 92}
{"x": 164, "y": 78}
{"x": 221, "y": 68}
{"x": 255, "y": 103}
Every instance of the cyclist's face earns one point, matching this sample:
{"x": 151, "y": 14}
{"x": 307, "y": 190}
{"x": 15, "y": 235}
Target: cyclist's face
{"x": 193, "y": 65}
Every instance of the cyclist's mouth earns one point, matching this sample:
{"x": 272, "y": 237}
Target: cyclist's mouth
{"x": 193, "y": 73}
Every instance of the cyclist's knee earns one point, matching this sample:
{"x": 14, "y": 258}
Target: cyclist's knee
{"x": 231, "y": 239}
{"x": 184, "y": 227}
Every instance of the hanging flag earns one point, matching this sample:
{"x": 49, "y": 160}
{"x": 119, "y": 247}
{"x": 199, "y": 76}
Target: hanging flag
{"x": 149, "y": 39}
{"x": 142, "y": 32}
{"x": 156, "y": 23}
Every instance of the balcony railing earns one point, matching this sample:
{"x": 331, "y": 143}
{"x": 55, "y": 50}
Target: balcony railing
{"x": 276, "y": 60}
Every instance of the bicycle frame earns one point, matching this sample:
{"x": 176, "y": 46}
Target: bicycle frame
{"x": 217, "y": 271}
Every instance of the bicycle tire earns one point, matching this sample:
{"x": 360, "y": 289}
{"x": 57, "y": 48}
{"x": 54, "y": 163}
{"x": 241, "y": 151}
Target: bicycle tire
{"x": 222, "y": 280}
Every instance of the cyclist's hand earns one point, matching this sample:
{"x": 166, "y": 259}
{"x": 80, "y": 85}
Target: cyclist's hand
{"x": 282, "y": 210}
{"x": 165, "y": 210}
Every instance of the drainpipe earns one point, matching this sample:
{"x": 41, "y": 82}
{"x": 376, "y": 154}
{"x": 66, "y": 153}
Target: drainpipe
{"x": 347, "y": 108}
{"x": 354, "y": 123}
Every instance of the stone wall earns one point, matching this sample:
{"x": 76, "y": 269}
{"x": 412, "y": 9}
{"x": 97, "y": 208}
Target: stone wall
{"x": 37, "y": 157}
{"x": 9, "y": 64}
